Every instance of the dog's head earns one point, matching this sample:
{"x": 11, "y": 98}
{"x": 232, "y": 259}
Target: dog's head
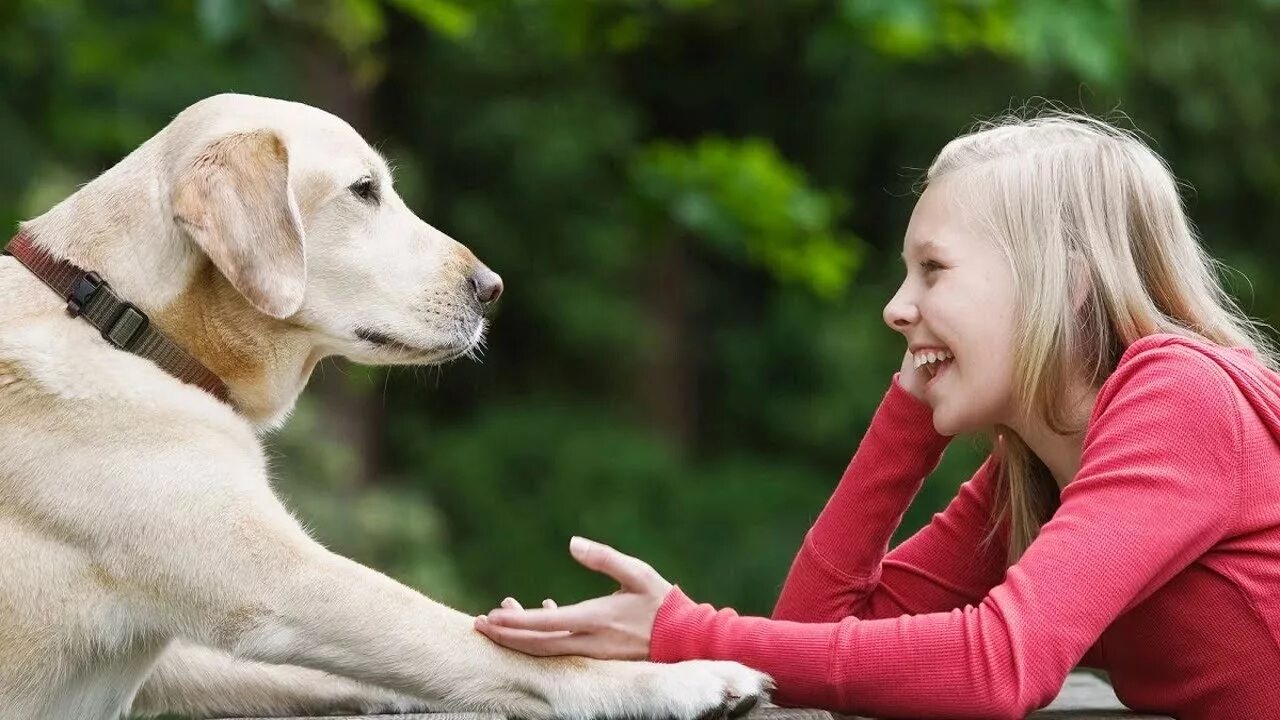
{"x": 300, "y": 216}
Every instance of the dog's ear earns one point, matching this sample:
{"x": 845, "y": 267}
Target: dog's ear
{"x": 235, "y": 201}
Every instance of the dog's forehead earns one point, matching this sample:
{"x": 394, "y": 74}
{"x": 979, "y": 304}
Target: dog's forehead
{"x": 315, "y": 139}
{"x": 323, "y": 148}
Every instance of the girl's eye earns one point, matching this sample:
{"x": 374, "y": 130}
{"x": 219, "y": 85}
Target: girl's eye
{"x": 930, "y": 265}
{"x": 365, "y": 190}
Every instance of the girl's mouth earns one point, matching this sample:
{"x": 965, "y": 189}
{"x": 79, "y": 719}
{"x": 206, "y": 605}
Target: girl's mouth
{"x": 935, "y": 370}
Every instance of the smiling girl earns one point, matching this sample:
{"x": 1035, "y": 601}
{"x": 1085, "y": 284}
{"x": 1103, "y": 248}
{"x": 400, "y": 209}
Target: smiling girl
{"x": 1128, "y": 518}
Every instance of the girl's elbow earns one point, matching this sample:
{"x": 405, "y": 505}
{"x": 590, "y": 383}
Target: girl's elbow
{"x": 1011, "y": 710}
{"x": 1019, "y": 702}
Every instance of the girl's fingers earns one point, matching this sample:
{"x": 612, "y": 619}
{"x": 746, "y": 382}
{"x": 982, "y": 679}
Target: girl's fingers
{"x": 631, "y": 573}
{"x": 549, "y": 604}
{"x": 511, "y": 603}
{"x": 532, "y": 642}
{"x": 586, "y": 616}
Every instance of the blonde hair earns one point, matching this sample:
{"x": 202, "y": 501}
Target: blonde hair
{"x": 1102, "y": 253}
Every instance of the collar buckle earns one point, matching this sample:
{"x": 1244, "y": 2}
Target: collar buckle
{"x": 129, "y": 324}
{"x": 85, "y": 287}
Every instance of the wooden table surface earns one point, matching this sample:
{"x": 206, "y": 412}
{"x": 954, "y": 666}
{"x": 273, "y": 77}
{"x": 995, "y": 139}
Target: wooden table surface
{"x": 1083, "y": 697}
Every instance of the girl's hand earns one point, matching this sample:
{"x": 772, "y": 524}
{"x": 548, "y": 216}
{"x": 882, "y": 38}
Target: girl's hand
{"x": 613, "y": 627}
{"x": 911, "y": 379}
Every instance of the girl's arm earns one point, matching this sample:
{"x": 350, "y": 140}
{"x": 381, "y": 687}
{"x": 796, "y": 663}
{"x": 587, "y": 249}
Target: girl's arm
{"x": 1156, "y": 489}
{"x": 945, "y": 565}
{"x": 841, "y": 569}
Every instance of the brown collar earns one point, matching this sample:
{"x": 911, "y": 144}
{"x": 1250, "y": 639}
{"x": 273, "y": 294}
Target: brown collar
{"x": 121, "y": 322}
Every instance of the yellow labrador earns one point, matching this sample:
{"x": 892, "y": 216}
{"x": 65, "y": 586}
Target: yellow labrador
{"x": 145, "y": 564}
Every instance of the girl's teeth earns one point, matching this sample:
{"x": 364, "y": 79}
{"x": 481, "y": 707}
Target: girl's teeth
{"x": 931, "y": 356}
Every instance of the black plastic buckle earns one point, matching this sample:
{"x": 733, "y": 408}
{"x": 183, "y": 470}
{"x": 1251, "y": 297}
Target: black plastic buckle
{"x": 83, "y": 290}
{"x": 127, "y": 323}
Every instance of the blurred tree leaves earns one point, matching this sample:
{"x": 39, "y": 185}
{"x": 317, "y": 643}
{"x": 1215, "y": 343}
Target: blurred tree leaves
{"x": 743, "y": 196}
{"x": 451, "y": 19}
{"x": 395, "y": 528}
{"x": 1087, "y": 37}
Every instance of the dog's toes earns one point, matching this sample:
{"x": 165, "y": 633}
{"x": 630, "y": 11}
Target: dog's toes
{"x": 714, "y": 713}
{"x": 744, "y": 706}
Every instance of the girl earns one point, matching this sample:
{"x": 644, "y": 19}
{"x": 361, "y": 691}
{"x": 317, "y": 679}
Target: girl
{"x": 1128, "y": 518}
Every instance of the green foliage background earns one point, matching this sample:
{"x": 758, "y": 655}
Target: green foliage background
{"x": 697, "y": 206}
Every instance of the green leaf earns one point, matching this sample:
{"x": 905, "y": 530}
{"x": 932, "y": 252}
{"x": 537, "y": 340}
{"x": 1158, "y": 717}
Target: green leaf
{"x": 742, "y": 198}
{"x": 222, "y": 20}
{"x": 447, "y": 18}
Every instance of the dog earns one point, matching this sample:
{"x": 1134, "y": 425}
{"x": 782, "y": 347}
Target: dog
{"x": 145, "y": 564}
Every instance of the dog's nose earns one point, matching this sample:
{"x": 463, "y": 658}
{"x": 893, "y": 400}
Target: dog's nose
{"x": 487, "y": 284}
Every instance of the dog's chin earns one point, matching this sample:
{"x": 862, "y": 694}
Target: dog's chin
{"x": 383, "y": 349}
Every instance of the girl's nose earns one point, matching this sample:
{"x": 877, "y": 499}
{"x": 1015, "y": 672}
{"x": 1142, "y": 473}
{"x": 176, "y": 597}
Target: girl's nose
{"x": 900, "y": 314}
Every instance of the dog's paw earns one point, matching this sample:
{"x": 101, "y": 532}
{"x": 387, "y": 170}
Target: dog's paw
{"x": 692, "y": 690}
{"x": 706, "y": 690}
{"x": 585, "y": 689}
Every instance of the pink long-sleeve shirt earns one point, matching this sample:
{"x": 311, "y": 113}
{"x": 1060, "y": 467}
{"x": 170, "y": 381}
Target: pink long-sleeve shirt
{"x": 1161, "y": 565}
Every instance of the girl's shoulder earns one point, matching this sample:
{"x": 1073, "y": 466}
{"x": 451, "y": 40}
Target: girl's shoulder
{"x": 1177, "y": 354}
{"x": 1164, "y": 373}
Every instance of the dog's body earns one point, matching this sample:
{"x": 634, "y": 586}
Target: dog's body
{"x": 144, "y": 561}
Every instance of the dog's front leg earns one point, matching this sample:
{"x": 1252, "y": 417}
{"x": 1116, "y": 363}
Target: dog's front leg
{"x": 276, "y": 596}
{"x": 200, "y": 682}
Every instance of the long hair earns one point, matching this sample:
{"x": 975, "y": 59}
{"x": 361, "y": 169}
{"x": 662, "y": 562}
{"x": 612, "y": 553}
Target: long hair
{"x": 1102, "y": 253}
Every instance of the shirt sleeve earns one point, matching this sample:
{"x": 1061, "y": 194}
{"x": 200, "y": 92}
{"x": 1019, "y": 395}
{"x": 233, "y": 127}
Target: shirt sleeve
{"x": 841, "y": 569}
{"x": 1163, "y": 443}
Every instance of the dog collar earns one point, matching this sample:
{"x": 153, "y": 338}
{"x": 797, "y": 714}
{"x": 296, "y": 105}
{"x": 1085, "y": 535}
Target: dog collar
{"x": 121, "y": 323}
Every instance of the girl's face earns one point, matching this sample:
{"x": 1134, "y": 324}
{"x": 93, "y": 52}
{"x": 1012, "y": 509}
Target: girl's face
{"x": 957, "y": 300}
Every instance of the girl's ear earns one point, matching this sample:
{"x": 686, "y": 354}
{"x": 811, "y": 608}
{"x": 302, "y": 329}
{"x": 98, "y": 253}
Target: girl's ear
{"x": 1080, "y": 278}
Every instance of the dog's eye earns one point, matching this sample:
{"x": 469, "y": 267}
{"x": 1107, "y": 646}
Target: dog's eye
{"x": 365, "y": 190}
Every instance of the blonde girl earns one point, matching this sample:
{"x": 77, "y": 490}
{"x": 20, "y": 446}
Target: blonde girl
{"x": 1128, "y": 518}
